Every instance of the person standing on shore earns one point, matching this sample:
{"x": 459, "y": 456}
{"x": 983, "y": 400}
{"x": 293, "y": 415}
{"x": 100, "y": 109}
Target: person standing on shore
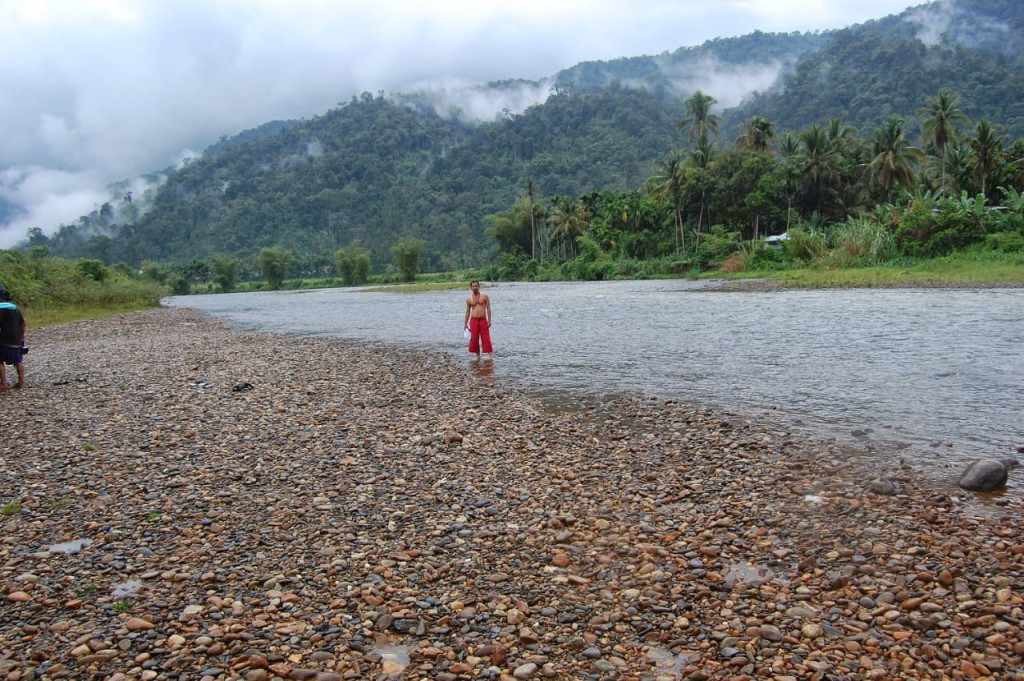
{"x": 478, "y": 321}
{"x": 12, "y": 339}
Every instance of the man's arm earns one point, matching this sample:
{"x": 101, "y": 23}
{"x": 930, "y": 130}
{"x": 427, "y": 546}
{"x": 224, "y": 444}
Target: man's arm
{"x": 488, "y": 311}
{"x": 465, "y": 322}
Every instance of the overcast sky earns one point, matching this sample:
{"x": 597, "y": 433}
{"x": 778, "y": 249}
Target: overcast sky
{"x": 96, "y": 91}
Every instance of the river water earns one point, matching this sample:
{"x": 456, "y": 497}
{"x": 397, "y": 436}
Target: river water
{"x": 935, "y": 376}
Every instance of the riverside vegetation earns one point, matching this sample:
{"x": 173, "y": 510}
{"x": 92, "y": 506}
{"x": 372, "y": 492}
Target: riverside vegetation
{"x": 604, "y": 180}
{"x": 840, "y": 202}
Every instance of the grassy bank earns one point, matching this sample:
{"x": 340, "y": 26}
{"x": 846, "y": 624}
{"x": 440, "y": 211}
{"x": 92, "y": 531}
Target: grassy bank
{"x": 962, "y": 269}
{"x": 956, "y": 270}
{"x": 57, "y": 290}
{"x": 65, "y": 314}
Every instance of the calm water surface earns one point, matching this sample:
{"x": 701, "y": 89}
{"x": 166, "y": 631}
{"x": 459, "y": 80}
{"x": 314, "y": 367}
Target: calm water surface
{"x": 890, "y": 370}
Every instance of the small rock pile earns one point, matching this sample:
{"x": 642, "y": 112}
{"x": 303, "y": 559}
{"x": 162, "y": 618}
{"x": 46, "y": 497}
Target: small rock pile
{"x": 362, "y": 512}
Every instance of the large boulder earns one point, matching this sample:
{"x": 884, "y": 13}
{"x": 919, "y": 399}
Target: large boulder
{"x": 984, "y": 475}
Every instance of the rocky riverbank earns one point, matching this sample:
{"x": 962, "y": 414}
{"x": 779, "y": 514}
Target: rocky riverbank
{"x": 181, "y": 501}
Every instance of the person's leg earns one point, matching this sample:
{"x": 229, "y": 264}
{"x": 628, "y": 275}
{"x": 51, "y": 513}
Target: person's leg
{"x": 485, "y": 339}
{"x": 21, "y": 375}
{"x": 474, "y": 336}
{"x": 3, "y": 376}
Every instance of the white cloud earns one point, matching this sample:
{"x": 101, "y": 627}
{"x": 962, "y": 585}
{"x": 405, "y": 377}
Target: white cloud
{"x": 103, "y": 90}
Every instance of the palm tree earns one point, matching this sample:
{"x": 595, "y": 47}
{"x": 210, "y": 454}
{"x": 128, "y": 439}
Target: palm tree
{"x": 701, "y": 156}
{"x": 894, "y": 159}
{"x": 955, "y": 165}
{"x": 819, "y": 164}
{"x": 840, "y": 136}
{"x": 667, "y": 184}
{"x": 789, "y": 145}
{"x": 939, "y": 126}
{"x": 986, "y": 153}
{"x": 703, "y": 152}
{"x": 533, "y": 218}
{"x": 699, "y": 119}
{"x": 569, "y": 219}
{"x": 757, "y": 133}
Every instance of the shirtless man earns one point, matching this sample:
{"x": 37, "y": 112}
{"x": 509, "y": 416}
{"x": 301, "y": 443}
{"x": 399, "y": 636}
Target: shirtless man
{"x": 478, "y": 321}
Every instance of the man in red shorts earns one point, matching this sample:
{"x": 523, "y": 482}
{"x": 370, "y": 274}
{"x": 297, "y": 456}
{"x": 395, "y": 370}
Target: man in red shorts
{"x": 478, "y": 321}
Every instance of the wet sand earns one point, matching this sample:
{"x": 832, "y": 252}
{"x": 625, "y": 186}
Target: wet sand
{"x": 183, "y": 501}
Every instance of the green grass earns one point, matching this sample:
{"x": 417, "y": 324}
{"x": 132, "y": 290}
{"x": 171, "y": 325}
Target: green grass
{"x": 955, "y": 270}
{"x": 420, "y": 286}
{"x": 11, "y": 508}
{"x": 52, "y": 316}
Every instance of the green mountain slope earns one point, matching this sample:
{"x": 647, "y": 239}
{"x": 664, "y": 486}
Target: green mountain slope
{"x": 379, "y": 168}
{"x": 891, "y": 66}
{"x": 373, "y": 170}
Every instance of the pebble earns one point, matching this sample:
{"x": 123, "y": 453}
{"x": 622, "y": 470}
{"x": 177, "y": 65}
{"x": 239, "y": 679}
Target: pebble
{"x": 377, "y": 512}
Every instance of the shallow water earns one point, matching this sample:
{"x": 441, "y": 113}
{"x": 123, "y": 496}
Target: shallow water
{"x": 934, "y": 376}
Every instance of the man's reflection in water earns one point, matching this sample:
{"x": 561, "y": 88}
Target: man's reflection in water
{"x": 483, "y": 371}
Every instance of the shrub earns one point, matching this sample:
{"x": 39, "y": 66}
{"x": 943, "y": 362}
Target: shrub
{"x": 274, "y": 263}
{"x": 804, "y": 244}
{"x": 717, "y": 245}
{"x": 762, "y": 258}
{"x": 1004, "y": 242}
{"x": 225, "y": 272}
{"x": 737, "y": 262}
{"x": 180, "y": 285}
{"x": 861, "y": 243}
{"x": 353, "y": 265}
{"x": 406, "y": 253}
{"x": 93, "y": 269}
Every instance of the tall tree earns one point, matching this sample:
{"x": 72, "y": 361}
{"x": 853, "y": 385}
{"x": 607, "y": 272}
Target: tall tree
{"x": 667, "y": 185}
{"x": 274, "y": 263}
{"x": 987, "y": 154}
{"x": 938, "y": 129}
{"x": 533, "y": 218}
{"x": 757, "y": 133}
{"x": 406, "y": 252}
{"x": 819, "y": 165}
{"x": 699, "y": 120}
{"x": 353, "y": 264}
{"x": 789, "y": 146}
{"x": 225, "y": 272}
{"x": 569, "y": 219}
{"x": 895, "y": 159}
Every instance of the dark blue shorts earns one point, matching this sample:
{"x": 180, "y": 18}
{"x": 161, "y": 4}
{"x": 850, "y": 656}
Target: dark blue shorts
{"x": 10, "y": 355}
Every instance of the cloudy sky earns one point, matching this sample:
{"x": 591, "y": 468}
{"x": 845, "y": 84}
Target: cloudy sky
{"x": 96, "y": 91}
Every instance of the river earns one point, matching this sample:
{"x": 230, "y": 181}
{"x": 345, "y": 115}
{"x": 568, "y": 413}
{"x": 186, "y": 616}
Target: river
{"x": 935, "y": 376}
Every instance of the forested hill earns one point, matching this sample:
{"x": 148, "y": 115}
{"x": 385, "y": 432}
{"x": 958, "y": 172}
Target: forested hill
{"x": 373, "y": 170}
{"x": 974, "y": 48}
{"x": 382, "y": 167}
{"x": 730, "y": 67}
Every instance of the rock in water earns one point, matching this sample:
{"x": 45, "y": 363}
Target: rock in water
{"x": 984, "y": 475}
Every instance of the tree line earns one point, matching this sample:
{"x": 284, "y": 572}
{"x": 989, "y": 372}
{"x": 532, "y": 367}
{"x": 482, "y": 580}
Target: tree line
{"x": 863, "y": 199}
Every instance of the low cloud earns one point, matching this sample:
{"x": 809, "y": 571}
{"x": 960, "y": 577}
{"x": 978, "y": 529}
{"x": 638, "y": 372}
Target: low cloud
{"x": 477, "y": 104}
{"x": 727, "y": 83}
{"x": 98, "y": 92}
{"x": 944, "y": 21}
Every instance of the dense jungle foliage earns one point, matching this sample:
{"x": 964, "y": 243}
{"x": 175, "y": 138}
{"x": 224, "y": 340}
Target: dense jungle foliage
{"x": 899, "y": 138}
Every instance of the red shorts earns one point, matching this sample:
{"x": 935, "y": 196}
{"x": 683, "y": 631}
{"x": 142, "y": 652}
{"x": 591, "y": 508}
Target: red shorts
{"x": 479, "y": 335}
